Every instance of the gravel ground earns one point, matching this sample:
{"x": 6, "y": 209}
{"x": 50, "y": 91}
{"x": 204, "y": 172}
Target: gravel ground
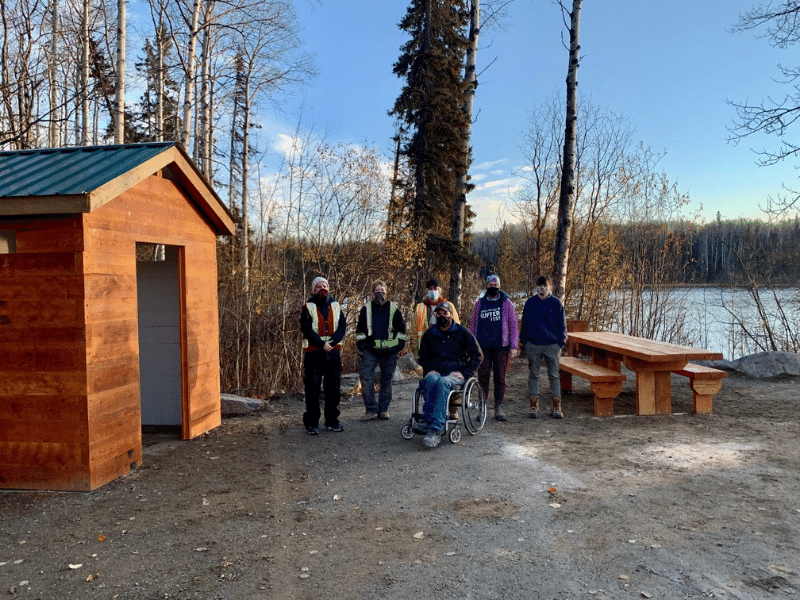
{"x": 680, "y": 506}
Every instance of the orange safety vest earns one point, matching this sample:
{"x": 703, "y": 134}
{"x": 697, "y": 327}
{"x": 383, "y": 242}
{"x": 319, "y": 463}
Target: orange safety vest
{"x": 325, "y": 328}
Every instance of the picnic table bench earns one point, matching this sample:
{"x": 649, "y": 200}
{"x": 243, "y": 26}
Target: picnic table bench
{"x": 705, "y": 382}
{"x": 606, "y": 383}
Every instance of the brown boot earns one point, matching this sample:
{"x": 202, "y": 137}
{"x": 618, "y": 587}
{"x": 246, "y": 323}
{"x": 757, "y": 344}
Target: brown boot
{"x": 557, "y": 414}
{"x": 534, "y": 401}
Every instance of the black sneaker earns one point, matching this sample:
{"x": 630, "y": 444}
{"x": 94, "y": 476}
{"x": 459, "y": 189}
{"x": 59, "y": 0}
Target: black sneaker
{"x": 313, "y": 430}
{"x": 337, "y": 427}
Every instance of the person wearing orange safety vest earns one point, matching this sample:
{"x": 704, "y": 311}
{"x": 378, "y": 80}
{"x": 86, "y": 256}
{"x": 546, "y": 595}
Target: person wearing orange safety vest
{"x": 380, "y": 337}
{"x": 323, "y": 326}
{"x": 423, "y": 314}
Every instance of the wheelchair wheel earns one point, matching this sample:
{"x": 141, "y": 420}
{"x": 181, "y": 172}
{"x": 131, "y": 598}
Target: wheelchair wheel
{"x": 407, "y": 432}
{"x": 474, "y": 407}
{"x": 455, "y": 434}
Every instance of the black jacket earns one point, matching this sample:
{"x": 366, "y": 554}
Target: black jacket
{"x": 446, "y": 351}
{"x": 306, "y": 323}
{"x": 380, "y": 327}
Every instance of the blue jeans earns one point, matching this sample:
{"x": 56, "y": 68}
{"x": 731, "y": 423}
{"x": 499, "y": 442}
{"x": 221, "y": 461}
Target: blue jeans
{"x": 551, "y": 354}
{"x": 435, "y": 390}
{"x": 366, "y": 372}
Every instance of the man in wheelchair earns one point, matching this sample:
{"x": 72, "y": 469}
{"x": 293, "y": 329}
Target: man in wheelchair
{"x": 449, "y": 355}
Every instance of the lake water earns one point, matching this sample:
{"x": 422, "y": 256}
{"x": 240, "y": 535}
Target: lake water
{"x": 728, "y": 319}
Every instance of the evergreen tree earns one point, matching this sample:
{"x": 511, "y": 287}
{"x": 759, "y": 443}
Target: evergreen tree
{"x": 143, "y": 125}
{"x": 431, "y": 116}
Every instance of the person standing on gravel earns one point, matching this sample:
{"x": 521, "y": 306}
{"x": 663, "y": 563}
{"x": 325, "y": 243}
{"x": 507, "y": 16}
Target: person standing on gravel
{"x": 380, "y": 337}
{"x": 494, "y": 325}
{"x": 543, "y": 333}
{"x": 323, "y": 326}
{"x": 449, "y": 355}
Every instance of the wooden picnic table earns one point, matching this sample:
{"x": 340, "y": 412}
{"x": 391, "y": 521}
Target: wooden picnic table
{"x": 651, "y": 361}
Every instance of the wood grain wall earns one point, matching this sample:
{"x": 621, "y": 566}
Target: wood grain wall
{"x": 69, "y": 367}
{"x": 154, "y": 211}
{"x": 44, "y": 429}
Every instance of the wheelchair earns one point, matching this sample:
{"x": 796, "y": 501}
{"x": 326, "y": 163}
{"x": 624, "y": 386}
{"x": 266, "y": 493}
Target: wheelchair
{"x": 466, "y": 403}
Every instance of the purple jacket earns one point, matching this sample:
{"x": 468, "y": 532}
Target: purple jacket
{"x": 510, "y": 325}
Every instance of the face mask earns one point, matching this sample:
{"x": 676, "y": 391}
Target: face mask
{"x": 542, "y": 290}
{"x": 380, "y": 298}
{"x": 492, "y": 292}
{"x": 443, "y": 322}
{"x": 323, "y": 293}
{"x": 432, "y": 295}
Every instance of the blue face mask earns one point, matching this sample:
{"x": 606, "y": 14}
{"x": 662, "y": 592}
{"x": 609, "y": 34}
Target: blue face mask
{"x": 432, "y": 295}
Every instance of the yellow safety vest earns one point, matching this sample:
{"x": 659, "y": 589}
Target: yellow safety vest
{"x": 394, "y": 336}
{"x": 326, "y": 333}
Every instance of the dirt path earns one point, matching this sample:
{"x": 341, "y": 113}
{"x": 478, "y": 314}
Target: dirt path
{"x": 682, "y": 506}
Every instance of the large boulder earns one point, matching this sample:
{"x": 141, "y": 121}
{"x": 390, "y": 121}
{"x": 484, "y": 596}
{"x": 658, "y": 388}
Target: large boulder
{"x": 407, "y": 362}
{"x": 232, "y": 405}
{"x": 765, "y": 365}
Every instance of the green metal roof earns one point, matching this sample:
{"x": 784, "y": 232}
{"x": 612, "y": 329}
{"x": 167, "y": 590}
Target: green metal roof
{"x": 69, "y": 171}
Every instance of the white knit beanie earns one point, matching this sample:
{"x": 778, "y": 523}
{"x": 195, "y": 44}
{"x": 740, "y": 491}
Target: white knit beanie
{"x": 316, "y": 282}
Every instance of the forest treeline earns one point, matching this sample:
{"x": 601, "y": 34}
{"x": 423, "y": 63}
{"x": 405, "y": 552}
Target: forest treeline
{"x": 724, "y": 253}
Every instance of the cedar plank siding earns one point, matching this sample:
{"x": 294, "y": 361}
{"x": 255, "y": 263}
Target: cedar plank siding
{"x": 43, "y": 416}
{"x": 153, "y": 211}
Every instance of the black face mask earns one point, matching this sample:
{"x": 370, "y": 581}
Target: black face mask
{"x": 492, "y": 292}
{"x": 443, "y": 322}
{"x": 380, "y": 298}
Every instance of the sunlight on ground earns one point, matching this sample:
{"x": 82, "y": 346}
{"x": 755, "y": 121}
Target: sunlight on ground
{"x": 697, "y": 455}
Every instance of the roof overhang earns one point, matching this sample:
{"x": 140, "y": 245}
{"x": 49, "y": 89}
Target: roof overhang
{"x": 172, "y": 157}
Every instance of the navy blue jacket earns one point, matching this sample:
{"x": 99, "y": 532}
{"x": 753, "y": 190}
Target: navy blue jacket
{"x": 543, "y": 322}
{"x": 446, "y": 351}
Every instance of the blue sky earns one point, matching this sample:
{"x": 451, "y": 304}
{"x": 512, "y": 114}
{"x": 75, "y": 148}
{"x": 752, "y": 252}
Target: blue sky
{"x": 667, "y": 66}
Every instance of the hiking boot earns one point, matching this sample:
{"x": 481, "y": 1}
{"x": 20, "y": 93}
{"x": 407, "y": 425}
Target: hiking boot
{"x": 557, "y": 414}
{"x": 432, "y": 439}
{"x": 369, "y": 416}
{"x": 384, "y": 416}
{"x": 499, "y": 413}
{"x": 313, "y": 431}
{"x": 337, "y": 427}
{"x": 534, "y": 402}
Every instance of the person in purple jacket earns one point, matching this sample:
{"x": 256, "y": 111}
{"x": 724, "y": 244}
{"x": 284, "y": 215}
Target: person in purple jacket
{"x": 494, "y": 325}
{"x": 543, "y": 334}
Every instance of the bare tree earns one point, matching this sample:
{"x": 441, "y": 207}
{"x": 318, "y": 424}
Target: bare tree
{"x": 780, "y": 22}
{"x": 566, "y": 198}
{"x": 119, "y": 101}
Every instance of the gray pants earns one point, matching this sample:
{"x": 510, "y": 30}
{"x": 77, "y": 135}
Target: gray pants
{"x": 366, "y": 372}
{"x": 551, "y": 354}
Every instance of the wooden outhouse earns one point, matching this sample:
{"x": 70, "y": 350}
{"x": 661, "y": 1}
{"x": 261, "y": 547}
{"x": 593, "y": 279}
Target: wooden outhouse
{"x": 108, "y": 309}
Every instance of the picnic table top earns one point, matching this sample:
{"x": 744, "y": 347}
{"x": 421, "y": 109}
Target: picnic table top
{"x": 642, "y": 348}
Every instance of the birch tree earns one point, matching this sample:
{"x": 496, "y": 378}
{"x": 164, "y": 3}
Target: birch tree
{"x": 566, "y": 198}
{"x": 119, "y": 100}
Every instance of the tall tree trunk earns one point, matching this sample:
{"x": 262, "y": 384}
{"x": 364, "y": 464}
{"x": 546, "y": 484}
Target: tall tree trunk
{"x": 188, "y": 98}
{"x": 53, "y": 129}
{"x": 119, "y": 99}
{"x": 471, "y": 84}
{"x": 160, "y": 78}
{"x": 245, "y": 261}
{"x": 205, "y": 139}
{"x": 84, "y": 83}
{"x": 566, "y": 198}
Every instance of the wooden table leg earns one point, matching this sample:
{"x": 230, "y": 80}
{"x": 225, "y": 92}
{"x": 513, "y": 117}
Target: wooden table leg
{"x": 645, "y": 393}
{"x": 653, "y": 393}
